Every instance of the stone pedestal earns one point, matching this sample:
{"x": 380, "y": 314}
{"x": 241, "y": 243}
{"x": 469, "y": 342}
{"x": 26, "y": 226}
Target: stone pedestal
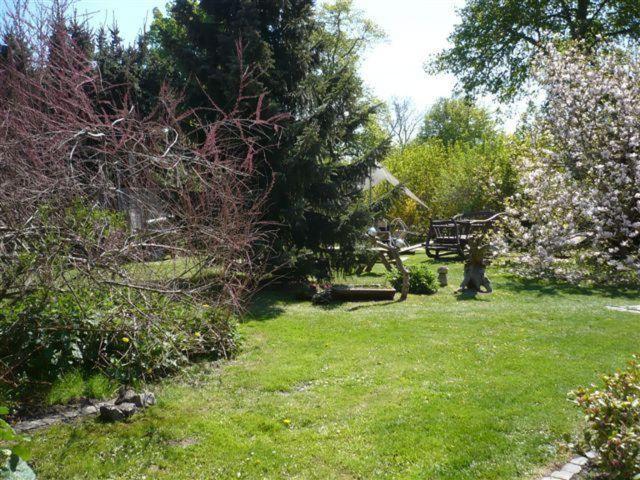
{"x": 442, "y": 276}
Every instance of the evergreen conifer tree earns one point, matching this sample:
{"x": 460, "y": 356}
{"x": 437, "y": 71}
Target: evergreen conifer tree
{"x": 306, "y": 60}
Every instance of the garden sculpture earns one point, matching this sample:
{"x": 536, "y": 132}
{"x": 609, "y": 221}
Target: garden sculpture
{"x": 381, "y": 241}
{"x": 478, "y": 255}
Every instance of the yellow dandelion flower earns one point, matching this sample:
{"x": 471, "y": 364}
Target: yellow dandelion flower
{"x": 126, "y": 339}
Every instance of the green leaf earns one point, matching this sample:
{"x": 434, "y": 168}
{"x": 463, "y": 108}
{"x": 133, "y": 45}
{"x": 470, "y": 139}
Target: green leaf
{"x": 6, "y": 432}
{"x": 22, "y": 451}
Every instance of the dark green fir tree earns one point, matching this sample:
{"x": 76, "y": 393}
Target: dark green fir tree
{"x": 306, "y": 59}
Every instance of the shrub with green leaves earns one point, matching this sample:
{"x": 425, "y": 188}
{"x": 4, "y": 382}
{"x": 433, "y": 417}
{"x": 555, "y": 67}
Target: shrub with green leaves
{"x": 612, "y": 414}
{"x": 61, "y": 338}
{"x": 13, "y": 453}
{"x": 452, "y": 179}
{"x": 421, "y": 280}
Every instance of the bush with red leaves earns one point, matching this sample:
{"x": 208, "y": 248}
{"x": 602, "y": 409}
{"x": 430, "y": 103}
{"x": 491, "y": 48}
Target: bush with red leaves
{"x": 95, "y": 198}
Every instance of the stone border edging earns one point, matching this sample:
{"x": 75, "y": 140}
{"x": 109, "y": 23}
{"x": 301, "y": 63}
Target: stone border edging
{"x": 571, "y": 470}
{"x": 65, "y": 416}
{"x": 625, "y": 309}
{"x": 123, "y": 406}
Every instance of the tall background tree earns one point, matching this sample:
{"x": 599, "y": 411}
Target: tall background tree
{"x": 453, "y": 120}
{"x": 307, "y": 59}
{"x": 494, "y": 44}
{"x": 402, "y": 121}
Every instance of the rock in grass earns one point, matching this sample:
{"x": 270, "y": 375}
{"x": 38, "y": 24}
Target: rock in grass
{"x": 127, "y": 403}
{"x": 140, "y": 400}
{"x": 16, "y": 469}
{"x": 144, "y": 399}
{"x": 117, "y": 413}
{"x": 126, "y": 395}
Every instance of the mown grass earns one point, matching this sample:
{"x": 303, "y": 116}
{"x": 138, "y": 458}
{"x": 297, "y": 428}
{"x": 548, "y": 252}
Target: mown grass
{"x": 438, "y": 387}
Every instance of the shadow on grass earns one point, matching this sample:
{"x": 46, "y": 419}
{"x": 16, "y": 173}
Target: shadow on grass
{"x": 269, "y": 304}
{"x": 554, "y": 288}
{"x": 446, "y": 260}
{"x": 372, "y": 305}
{"x": 467, "y": 295}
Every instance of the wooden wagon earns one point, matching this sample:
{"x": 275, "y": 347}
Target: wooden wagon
{"x": 448, "y": 238}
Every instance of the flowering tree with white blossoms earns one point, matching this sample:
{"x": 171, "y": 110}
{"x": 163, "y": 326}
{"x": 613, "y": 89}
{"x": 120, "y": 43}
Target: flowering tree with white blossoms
{"x": 578, "y": 211}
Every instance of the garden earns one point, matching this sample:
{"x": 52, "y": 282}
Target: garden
{"x": 434, "y": 387}
{"x": 222, "y": 257}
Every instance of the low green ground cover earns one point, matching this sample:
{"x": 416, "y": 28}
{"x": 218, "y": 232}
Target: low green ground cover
{"x": 438, "y": 387}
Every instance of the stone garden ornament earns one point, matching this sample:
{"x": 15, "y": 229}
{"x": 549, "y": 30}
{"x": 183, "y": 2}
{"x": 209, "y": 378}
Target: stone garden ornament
{"x": 442, "y": 276}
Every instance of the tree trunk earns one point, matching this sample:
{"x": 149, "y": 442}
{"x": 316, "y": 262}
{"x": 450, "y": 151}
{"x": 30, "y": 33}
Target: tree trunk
{"x": 475, "y": 279}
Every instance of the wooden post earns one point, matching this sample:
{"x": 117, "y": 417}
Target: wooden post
{"x": 394, "y": 253}
{"x": 384, "y": 261}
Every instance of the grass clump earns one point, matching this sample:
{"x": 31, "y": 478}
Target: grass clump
{"x": 74, "y": 385}
{"x": 70, "y": 386}
{"x": 98, "y": 386}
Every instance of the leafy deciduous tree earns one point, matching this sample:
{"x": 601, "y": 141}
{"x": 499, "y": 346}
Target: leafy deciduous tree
{"x": 455, "y": 179}
{"x": 457, "y": 121}
{"x": 494, "y": 45}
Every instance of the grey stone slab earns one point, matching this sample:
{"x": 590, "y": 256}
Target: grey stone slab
{"x": 51, "y": 420}
{"x": 90, "y": 410}
{"x": 71, "y": 414}
{"x": 626, "y": 309}
{"x": 562, "y": 475}
{"x": 581, "y": 461}
{"x": 28, "y": 425}
{"x": 572, "y": 468}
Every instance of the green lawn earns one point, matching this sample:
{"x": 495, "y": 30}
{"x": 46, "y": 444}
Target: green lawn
{"x": 434, "y": 388}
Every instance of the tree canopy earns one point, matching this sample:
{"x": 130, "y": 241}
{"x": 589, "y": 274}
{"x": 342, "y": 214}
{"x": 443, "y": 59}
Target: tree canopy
{"x": 450, "y": 180}
{"x": 494, "y": 44}
{"x": 453, "y": 121}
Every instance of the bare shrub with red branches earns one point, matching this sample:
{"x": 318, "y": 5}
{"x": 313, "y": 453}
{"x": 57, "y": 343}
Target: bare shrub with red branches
{"x": 146, "y": 224}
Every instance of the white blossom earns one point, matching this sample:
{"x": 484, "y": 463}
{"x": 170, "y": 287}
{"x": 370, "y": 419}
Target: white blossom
{"x": 580, "y": 182}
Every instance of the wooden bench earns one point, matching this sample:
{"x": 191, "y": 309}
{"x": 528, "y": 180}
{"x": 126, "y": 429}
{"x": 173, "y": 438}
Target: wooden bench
{"x": 448, "y": 238}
